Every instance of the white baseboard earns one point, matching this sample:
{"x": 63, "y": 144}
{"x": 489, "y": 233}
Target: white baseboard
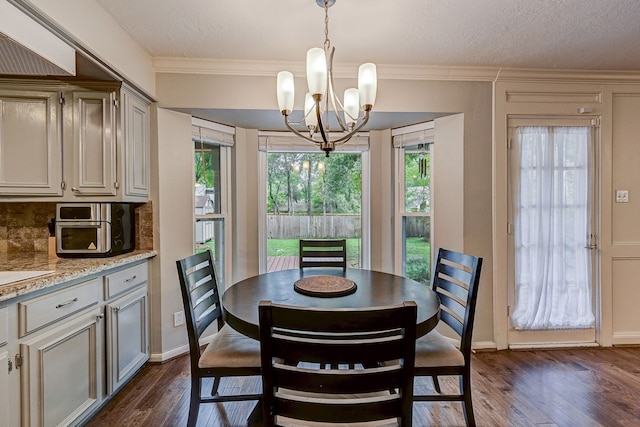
{"x": 552, "y": 345}
{"x": 484, "y": 345}
{"x": 178, "y": 351}
{"x": 626, "y": 338}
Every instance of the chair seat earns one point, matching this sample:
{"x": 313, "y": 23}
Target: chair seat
{"x": 434, "y": 349}
{"x": 231, "y": 349}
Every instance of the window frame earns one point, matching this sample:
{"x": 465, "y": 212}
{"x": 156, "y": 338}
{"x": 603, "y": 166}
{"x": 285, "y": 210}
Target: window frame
{"x": 212, "y": 133}
{"x": 409, "y": 136}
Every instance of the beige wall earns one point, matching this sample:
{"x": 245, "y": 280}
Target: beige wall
{"x": 469, "y": 181}
{"x": 172, "y": 177}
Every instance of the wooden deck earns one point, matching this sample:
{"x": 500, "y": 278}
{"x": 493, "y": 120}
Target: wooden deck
{"x": 277, "y": 263}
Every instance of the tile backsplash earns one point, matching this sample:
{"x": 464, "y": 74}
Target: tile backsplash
{"x": 23, "y": 226}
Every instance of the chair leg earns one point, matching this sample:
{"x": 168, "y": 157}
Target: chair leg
{"x": 216, "y": 384}
{"x": 194, "y": 403}
{"x": 436, "y": 384}
{"x": 467, "y": 406}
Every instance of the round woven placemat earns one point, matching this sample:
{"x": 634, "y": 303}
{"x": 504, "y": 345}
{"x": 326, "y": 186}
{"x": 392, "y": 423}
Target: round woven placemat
{"x": 325, "y": 286}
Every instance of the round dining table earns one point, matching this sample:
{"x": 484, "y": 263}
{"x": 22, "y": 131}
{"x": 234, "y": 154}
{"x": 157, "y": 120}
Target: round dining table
{"x": 372, "y": 289}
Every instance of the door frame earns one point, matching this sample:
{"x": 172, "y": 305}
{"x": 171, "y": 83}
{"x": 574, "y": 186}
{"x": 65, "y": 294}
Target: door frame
{"x": 565, "y": 337}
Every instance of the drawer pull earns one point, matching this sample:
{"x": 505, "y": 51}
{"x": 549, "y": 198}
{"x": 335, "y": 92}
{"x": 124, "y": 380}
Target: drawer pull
{"x": 131, "y": 278}
{"x": 64, "y": 304}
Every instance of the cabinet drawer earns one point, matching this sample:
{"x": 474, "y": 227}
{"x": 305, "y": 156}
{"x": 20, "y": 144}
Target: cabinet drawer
{"x": 125, "y": 279}
{"x": 38, "y": 312}
{"x": 4, "y": 326}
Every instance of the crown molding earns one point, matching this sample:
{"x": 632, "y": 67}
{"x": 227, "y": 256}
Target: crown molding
{"x": 165, "y": 65}
{"x": 174, "y": 65}
{"x": 568, "y": 76}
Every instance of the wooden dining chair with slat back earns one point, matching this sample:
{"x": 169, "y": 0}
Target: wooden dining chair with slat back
{"x": 316, "y": 337}
{"x": 455, "y": 280}
{"x": 229, "y": 353}
{"x": 323, "y": 253}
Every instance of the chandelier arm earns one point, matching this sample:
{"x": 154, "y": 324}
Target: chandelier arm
{"x": 348, "y": 136}
{"x": 319, "y": 117}
{"x": 297, "y": 132}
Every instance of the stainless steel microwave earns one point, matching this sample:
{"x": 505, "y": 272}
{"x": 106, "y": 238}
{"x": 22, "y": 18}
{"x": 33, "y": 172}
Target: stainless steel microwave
{"x": 94, "y": 229}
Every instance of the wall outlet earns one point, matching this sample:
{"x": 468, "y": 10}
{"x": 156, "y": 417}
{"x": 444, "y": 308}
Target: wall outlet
{"x": 178, "y": 318}
{"x": 622, "y": 196}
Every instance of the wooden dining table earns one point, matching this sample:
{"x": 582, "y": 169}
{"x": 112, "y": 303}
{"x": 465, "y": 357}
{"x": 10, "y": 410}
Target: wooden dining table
{"x": 372, "y": 289}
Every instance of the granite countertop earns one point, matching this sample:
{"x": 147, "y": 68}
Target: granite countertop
{"x": 61, "y": 269}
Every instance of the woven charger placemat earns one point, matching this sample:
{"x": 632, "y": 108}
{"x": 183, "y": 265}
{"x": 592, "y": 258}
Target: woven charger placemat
{"x": 325, "y": 286}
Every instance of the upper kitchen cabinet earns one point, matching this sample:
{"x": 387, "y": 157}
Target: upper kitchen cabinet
{"x": 75, "y": 141}
{"x": 134, "y": 118}
{"x": 93, "y": 154}
{"x": 30, "y": 142}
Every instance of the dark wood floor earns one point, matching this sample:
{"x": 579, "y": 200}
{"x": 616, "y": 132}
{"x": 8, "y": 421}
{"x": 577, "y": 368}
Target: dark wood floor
{"x": 577, "y": 387}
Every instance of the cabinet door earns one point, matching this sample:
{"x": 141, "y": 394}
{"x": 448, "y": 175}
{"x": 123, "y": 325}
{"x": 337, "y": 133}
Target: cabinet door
{"x": 135, "y": 132}
{"x": 62, "y": 372}
{"x": 94, "y": 144}
{"x": 4, "y": 388}
{"x": 127, "y": 337}
{"x": 30, "y": 143}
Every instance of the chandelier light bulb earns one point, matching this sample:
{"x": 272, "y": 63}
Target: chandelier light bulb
{"x": 286, "y": 92}
{"x": 351, "y": 106}
{"x": 367, "y": 83}
{"x": 317, "y": 71}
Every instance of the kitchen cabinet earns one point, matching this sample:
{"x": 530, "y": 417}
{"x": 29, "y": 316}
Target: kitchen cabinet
{"x": 5, "y": 368}
{"x": 4, "y": 388}
{"x": 62, "y": 371}
{"x": 127, "y": 326}
{"x": 93, "y": 146}
{"x": 135, "y": 136}
{"x": 30, "y": 142}
{"x": 73, "y": 347}
{"x": 75, "y": 141}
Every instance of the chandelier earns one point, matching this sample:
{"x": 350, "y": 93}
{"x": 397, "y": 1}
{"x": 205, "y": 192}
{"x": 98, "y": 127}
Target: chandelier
{"x": 321, "y": 99}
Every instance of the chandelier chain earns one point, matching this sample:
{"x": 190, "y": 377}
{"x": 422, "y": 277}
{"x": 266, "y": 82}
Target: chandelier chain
{"x": 327, "y": 42}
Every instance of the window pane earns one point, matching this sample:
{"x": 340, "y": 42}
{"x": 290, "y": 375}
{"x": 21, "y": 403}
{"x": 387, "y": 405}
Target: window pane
{"x": 417, "y": 179}
{"x": 312, "y": 196}
{"x": 207, "y": 178}
{"x": 210, "y": 235}
{"x": 417, "y": 248}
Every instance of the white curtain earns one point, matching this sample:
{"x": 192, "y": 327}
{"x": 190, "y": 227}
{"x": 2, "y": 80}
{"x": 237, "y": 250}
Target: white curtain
{"x": 550, "y": 184}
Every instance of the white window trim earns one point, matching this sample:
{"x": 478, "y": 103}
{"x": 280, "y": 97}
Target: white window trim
{"x": 224, "y": 136}
{"x": 408, "y": 136}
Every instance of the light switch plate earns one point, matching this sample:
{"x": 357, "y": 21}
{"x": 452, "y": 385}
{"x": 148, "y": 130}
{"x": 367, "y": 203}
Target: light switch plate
{"x": 622, "y": 196}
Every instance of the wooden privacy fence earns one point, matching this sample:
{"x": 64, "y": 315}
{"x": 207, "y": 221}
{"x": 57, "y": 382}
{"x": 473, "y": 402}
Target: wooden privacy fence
{"x": 313, "y": 227}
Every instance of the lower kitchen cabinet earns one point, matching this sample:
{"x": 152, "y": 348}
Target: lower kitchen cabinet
{"x": 62, "y": 371}
{"x": 127, "y": 337}
{"x": 4, "y": 388}
{"x": 64, "y": 353}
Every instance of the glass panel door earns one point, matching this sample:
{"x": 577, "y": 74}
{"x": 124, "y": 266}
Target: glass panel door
{"x": 553, "y": 245}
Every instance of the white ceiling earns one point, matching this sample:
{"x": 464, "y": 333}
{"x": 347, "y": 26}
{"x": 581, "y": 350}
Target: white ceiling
{"x": 551, "y": 34}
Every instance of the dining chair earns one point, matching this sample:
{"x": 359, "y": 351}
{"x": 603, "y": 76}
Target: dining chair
{"x": 229, "y": 353}
{"x": 323, "y": 253}
{"x": 455, "y": 280}
{"x": 306, "y": 393}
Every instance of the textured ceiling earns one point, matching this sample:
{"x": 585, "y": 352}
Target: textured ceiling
{"x": 551, "y": 34}
{"x": 567, "y": 34}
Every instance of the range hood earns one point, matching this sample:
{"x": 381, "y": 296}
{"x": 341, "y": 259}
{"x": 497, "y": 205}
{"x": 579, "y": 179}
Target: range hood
{"x": 28, "y": 48}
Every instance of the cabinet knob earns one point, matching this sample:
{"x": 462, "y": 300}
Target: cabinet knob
{"x": 100, "y": 316}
